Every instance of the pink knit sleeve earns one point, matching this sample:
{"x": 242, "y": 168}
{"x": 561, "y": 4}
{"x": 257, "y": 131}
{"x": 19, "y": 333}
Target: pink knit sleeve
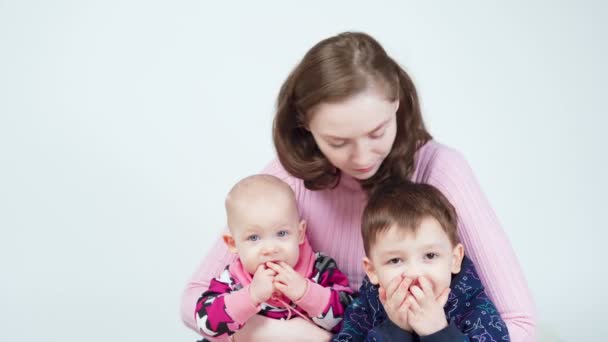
{"x": 485, "y": 242}
{"x": 216, "y": 260}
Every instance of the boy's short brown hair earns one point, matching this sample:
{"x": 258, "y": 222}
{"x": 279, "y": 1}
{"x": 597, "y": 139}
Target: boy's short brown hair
{"x": 406, "y": 204}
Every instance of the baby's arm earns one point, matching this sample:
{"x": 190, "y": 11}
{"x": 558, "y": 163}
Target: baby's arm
{"x": 327, "y": 295}
{"x": 222, "y": 310}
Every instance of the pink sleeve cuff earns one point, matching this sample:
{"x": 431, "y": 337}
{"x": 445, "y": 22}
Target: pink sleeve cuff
{"x": 315, "y": 299}
{"x": 240, "y": 306}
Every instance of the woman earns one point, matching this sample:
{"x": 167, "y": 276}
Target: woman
{"x": 347, "y": 120}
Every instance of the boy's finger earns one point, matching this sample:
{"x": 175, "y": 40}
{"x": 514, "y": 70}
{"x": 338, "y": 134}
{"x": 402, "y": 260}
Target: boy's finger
{"x": 392, "y": 286}
{"x": 417, "y": 292}
{"x": 400, "y": 294}
{"x": 443, "y": 297}
{"x": 426, "y": 286}
{"x": 413, "y": 304}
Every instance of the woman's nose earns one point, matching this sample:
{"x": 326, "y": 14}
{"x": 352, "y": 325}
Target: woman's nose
{"x": 360, "y": 154}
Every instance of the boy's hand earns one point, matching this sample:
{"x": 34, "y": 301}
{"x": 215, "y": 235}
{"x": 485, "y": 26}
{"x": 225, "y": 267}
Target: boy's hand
{"x": 426, "y": 315}
{"x": 394, "y": 299}
{"x": 261, "y": 288}
{"x": 288, "y": 281}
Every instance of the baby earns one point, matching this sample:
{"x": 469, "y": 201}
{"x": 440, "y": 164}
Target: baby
{"x": 276, "y": 273}
{"x": 420, "y": 285}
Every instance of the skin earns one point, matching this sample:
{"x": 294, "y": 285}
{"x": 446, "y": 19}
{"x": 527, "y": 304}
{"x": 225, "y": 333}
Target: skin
{"x": 414, "y": 269}
{"x": 357, "y": 134}
{"x": 265, "y": 232}
{"x": 365, "y": 125}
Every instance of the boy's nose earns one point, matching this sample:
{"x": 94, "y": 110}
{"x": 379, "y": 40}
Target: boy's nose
{"x": 412, "y": 273}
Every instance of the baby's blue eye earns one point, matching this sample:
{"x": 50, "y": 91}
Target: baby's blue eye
{"x": 282, "y": 233}
{"x": 253, "y": 237}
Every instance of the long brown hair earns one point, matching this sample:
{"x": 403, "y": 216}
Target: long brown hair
{"x": 331, "y": 71}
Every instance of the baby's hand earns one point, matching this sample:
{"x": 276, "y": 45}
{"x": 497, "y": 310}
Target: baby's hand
{"x": 426, "y": 315}
{"x": 394, "y": 299}
{"x": 261, "y": 288}
{"x": 291, "y": 283}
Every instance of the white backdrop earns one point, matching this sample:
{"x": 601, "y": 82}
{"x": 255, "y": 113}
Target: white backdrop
{"x": 124, "y": 123}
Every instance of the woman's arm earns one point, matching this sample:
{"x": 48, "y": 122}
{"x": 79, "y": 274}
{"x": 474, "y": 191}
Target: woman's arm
{"x": 485, "y": 242}
{"x": 262, "y": 329}
{"x": 213, "y": 264}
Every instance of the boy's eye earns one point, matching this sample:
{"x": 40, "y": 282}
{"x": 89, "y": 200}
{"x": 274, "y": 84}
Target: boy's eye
{"x": 282, "y": 233}
{"x": 394, "y": 261}
{"x": 253, "y": 237}
{"x": 430, "y": 256}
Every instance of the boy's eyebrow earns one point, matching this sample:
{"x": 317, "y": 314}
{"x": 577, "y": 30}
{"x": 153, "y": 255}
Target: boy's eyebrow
{"x": 433, "y": 245}
{"x": 391, "y": 251}
{"x": 327, "y": 136}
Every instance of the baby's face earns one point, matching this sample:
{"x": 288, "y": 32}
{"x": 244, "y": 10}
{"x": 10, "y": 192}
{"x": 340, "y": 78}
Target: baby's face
{"x": 266, "y": 233}
{"x": 428, "y": 252}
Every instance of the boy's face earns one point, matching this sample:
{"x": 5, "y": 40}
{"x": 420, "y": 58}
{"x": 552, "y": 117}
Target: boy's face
{"x": 427, "y": 252}
{"x": 262, "y": 232}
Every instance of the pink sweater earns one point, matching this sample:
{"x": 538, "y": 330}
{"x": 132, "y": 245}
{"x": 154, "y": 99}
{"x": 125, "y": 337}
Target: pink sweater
{"x": 334, "y": 218}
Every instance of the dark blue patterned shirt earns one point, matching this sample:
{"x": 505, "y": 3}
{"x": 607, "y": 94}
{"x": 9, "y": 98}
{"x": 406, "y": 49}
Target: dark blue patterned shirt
{"x": 470, "y": 313}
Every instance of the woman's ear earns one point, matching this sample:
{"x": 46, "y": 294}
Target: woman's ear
{"x": 229, "y": 241}
{"x": 457, "y": 255}
{"x": 370, "y": 270}
{"x": 301, "y": 232}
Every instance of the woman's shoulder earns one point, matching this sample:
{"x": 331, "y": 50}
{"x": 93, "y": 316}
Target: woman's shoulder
{"x": 275, "y": 168}
{"x": 434, "y": 157}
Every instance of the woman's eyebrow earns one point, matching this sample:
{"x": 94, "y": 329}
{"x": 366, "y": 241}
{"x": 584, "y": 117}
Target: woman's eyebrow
{"x": 327, "y": 136}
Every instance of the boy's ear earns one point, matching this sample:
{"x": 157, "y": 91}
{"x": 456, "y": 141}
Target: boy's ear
{"x": 301, "y": 232}
{"x": 370, "y": 270}
{"x": 229, "y": 241}
{"x": 457, "y": 255}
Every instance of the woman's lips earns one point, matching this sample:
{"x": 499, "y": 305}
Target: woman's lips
{"x": 366, "y": 169}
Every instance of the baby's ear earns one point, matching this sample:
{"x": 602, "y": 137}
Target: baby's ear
{"x": 229, "y": 241}
{"x": 370, "y": 270}
{"x": 457, "y": 255}
{"x": 301, "y": 232}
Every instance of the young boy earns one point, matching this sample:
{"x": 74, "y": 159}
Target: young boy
{"x": 421, "y": 287}
{"x": 276, "y": 273}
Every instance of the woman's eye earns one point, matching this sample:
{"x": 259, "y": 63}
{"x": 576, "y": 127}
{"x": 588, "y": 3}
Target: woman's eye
{"x": 377, "y": 135}
{"x": 282, "y": 233}
{"x": 338, "y": 144}
{"x": 253, "y": 237}
{"x": 430, "y": 256}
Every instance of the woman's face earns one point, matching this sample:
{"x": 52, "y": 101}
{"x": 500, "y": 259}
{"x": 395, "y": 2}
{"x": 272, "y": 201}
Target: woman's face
{"x": 357, "y": 134}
